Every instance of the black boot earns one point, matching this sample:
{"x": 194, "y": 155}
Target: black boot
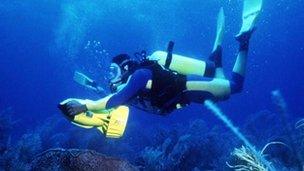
{"x": 216, "y": 57}
{"x": 244, "y": 38}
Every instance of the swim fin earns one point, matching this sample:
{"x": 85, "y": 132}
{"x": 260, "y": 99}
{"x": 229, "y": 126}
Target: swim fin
{"x": 216, "y": 55}
{"x": 89, "y": 83}
{"x": 111, "y": 123}
{"x": 220, "y": 29}
{"x": 251, "y": 11}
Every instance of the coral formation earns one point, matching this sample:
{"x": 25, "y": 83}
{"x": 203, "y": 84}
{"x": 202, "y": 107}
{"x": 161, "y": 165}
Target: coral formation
{"x": 19, "y": 156}
{"x": 198, "y": 148}
{"x": 75, "y": 159}
{"x": 6, "y": 126}
{"x": 270, "y": 131}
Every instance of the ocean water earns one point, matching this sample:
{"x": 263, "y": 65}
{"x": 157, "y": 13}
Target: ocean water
{"x": 43, "y": 42}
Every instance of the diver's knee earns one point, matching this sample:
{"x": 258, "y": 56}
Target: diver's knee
{"x": 236, "y": 83}
{"x": 210, "y": 69}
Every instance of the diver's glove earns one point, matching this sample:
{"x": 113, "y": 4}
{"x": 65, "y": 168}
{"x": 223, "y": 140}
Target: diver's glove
{"x": 73, "y": 108}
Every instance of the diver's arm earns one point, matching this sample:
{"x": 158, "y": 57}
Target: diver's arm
{"x": 98, "y": 104}
{"x": 136, "y": 82}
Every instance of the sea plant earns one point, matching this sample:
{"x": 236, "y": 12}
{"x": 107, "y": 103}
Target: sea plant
{"x": 282, "y": 110}
{"x": 248, "y": 160}
{"x": 243, "y": 152}
{"x": 299, "y": 126}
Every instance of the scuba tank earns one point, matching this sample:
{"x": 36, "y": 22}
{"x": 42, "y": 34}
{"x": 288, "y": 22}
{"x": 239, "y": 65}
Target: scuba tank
{"x": 182, "y": 64}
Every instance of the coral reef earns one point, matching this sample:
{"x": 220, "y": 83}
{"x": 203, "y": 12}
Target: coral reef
{"x": 270, "y": 132}
{"x": 6, "y": 126}
{"x": 75, "y": 159}
{"x": 19, "y": 156}
{"x": 198, "y": 148}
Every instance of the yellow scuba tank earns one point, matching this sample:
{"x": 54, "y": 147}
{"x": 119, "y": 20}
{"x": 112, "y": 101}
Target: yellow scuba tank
{"x": 111, "y": 123}
{"x": 181, "y": 64}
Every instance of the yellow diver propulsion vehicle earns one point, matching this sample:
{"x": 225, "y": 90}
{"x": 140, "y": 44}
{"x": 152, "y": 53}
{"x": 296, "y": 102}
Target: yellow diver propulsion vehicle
{"x": 111, "y": 123}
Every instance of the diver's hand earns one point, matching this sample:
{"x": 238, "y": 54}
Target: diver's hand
{"x": 74, "y": 107}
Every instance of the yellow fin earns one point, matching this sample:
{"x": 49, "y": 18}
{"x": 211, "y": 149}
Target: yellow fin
{"x": 251, "y": 11}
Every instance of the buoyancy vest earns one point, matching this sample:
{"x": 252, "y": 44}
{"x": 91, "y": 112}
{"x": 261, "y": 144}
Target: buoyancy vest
{"x": 166, "y": 91}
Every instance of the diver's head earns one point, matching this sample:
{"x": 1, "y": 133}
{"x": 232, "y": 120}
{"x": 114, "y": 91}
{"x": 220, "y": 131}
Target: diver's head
{"x": 121, "y": 68}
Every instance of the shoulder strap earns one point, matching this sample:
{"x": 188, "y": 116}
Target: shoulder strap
{"x": 169, "y": 54}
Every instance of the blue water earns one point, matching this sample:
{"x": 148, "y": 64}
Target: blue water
{"x": 42, "y": 43}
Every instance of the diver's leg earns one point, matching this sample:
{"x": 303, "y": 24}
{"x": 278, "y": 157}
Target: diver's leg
{"x": 241, "y": 60}
{"x": 217, "y": 89}
{"x": 239, "y": 68}
{"x": 200, "y": 88}
{"x": 216, "y": 55}
{"x": 251, "y": 11}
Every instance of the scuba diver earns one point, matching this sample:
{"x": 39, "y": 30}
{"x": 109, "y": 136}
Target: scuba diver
{"x": 163, "y": 82}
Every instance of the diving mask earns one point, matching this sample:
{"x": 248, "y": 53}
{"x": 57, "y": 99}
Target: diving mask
{"x": 114, "y": 75}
